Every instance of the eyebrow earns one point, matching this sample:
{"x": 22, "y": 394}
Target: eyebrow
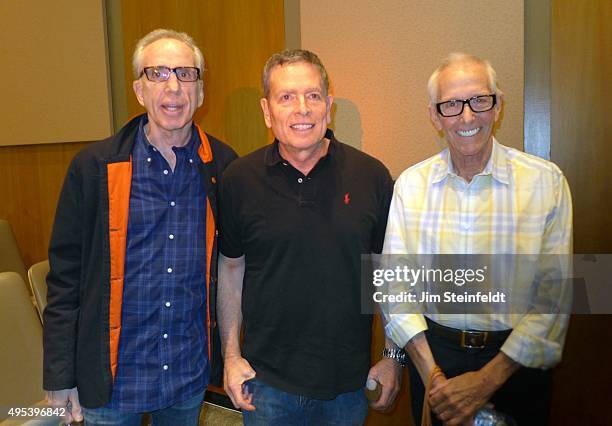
{"x": 464, "y": 99}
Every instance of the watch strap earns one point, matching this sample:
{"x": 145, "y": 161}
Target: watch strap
{"x": 396, "y": 354}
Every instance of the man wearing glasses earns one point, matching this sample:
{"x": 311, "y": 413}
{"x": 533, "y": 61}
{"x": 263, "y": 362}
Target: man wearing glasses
{"x": 478, "y": 197}
{"x": 129, "y": 325}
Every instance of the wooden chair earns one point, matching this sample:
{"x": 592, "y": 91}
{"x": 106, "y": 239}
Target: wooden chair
{"x": 37, "y": 275}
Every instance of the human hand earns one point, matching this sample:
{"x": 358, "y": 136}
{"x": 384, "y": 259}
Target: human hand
{"x": 68, "y": 399}
{"x": 388, "y": 373}
{"x": 237, "y": 371}
{"x": 456, "y": 400}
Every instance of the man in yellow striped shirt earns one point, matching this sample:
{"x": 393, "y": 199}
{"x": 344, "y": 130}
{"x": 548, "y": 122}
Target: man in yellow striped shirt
{"x": 478, "y": 197}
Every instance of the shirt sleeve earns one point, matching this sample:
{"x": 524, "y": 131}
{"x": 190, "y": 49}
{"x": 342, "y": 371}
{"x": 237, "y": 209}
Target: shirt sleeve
{"x": 60, "y": 316}
{"x": 399, "y": 327}
{"x": 385, "y": 192}
{"x": 230, "y": 239}
{"x": 537, "y": 340}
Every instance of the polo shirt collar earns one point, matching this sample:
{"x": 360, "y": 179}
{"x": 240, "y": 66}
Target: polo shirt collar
{"x": 272, "y": 155}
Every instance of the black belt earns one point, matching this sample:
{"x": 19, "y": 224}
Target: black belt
{"x": 468, "y": 338}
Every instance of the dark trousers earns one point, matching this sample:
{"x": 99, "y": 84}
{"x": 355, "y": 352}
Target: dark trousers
{"x": 525, "y": 396}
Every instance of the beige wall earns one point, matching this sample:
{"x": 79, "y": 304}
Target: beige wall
{"x": 55, "y": 83}
{"x": 379, "y": 55}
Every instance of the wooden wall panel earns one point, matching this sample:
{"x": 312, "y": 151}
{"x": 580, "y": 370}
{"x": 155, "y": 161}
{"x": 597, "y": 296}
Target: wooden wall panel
{"x": 581, "y": 89}
{"x": 32, "y": 177}
{"x": 581, "y": 131}
{"x": 400, "y": 413}
{"x": 236, "y": 37}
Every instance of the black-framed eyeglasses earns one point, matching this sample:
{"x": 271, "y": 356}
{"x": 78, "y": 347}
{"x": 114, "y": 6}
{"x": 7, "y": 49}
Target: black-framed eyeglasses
{"x": 455, "y": 107}
{"x": 161, "y": 73}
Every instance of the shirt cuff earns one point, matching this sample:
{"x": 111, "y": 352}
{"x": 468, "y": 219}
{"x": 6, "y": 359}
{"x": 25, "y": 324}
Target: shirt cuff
{"x": 531, "y": 351}
{"x": 403, "y": 327}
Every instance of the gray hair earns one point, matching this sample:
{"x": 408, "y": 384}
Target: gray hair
{"x": 159, "y": 34}
{"x": 292, "y": 56}
{"x": 457, "y": 58}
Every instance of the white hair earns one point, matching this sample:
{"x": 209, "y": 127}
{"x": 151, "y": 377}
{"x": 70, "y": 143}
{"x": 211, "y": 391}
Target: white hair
{"x": 458, "y": 58}
{"x": 159, "y": 34}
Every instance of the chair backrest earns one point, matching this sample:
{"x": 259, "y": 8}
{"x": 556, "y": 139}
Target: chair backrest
{"x": 10, "y": 257}
{"x": 21, "y": 342}
{"x": 37, "y": 275}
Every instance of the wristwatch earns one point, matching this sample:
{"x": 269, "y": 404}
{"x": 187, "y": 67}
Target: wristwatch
{"x": 399, "y": 355}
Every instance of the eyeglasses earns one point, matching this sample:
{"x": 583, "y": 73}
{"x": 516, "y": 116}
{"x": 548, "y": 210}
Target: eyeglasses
{"x": 455, "y": 107}
{"x": 161, "y": 73}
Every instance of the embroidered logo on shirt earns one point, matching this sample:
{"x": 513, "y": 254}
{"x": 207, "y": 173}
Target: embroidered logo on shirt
{"x": 347, "y": 198}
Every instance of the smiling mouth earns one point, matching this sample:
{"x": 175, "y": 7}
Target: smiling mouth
{"x": 302, "y": 126}
{"x": 468, "y": 133}
{"x": 172, "y": 107}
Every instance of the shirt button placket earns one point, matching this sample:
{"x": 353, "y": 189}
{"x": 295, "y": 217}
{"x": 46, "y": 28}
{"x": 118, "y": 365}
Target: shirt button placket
{"x": 168, "y": 304}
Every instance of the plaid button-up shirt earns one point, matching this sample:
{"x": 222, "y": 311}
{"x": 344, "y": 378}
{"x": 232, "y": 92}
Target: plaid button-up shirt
{"x": 162, "y": 349}
{"x": 519, "y": 204}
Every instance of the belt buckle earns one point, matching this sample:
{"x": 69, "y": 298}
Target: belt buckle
{"x": 473, "y": 339}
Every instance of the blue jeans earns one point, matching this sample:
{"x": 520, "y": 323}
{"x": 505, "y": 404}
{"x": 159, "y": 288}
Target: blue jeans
{"x": 275, "y": 407}
{"x": 186, "y": 413}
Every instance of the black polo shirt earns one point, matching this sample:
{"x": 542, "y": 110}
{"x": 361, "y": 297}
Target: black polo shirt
{"x": 302, "y": 237}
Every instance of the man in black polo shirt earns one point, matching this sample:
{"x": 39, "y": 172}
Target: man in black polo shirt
{"x": 297, "y": 215}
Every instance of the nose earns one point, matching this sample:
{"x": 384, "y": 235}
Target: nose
{"x": 173, "y": 84}
{"x": 467, "y": 115}
{"x": 302, "y": 106}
